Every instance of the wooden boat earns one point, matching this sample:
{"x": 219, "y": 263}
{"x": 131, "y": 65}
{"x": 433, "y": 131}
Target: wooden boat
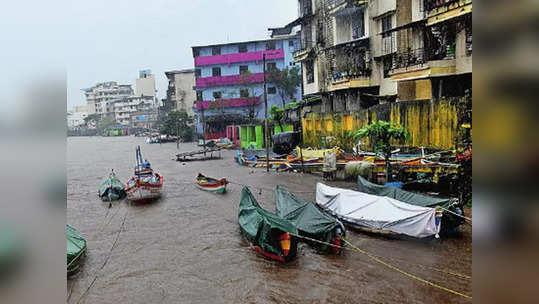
{"x": 270, "y": 235}
{"x": 146, "y": 185}
{"x": 111, "y": 188}
{"x": 76, "y": 249}
{"x": 211, "y": 184}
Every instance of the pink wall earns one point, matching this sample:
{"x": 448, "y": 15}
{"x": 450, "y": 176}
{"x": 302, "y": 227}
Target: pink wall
{"x": 231, "y": 102}
{"x": 229, "y": 80}
{"x": 238, "y": 57}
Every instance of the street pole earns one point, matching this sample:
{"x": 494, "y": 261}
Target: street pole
{"x": 266, "y": 134}
{"x": 203, "y": 130}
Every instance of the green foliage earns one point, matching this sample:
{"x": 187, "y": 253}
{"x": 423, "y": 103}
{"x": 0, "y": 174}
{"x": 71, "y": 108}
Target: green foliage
{"x": 106, "y": 122}
{"x": 380, "y": 135}
{"x": 277, "y": 115}
{"x": 177, "y": 123}
{"x": 287, "y": 81}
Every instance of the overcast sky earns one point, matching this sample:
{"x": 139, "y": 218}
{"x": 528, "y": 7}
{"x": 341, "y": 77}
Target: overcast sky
{"x": 111, "y": 40}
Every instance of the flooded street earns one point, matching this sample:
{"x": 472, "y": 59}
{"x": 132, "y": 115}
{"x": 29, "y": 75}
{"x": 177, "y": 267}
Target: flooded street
{"x": 187, "y": 248}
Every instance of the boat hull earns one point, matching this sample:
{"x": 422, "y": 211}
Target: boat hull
{"x": 211, "y": 184}
{"x": 140, "y": 191}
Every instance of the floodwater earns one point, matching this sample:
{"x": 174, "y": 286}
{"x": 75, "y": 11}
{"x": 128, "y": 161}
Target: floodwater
{"x": 187, "y": 247}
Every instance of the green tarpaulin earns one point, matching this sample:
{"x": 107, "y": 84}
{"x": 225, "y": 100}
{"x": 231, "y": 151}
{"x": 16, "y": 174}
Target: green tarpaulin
{"x": 263, "y": 228}
{"x": 401, "y": 195}
{"x": 308, "y": 219}
{"x": 76, "y": 246}
{"x": 111, "y": 182}
{"x": 450, "y": 221}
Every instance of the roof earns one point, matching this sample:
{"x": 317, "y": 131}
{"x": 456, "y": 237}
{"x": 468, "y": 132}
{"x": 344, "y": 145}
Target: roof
{"x": 180, "y": 71}
{"x": 235, "y": 43}
{"x": 285, "y": 30}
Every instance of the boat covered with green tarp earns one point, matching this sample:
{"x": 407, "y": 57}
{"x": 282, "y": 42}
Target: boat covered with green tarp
{"x": 269, "y": 234}
{"x": 76, "y": 248}
{"x": 450, "y": 222}
{"x": 310, "y": 220}
{"x": 111, "y": 188}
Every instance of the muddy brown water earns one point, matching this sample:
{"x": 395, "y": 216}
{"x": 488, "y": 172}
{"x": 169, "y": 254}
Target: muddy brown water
{"x": 187, "y": 248}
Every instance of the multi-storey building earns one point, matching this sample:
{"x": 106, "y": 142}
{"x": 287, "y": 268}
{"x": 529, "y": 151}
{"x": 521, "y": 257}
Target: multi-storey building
{"x": 229, "y": 80}
{"x": 363, "y": 60}
{"x": 180, "y": 93}
{"x": 125, "y": 108}
{"x": 98, "y": 96}
{"x": 145, "y": 84}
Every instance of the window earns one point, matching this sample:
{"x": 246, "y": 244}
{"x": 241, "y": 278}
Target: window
{"x": 217, "y": 95}
{"x": 196, "y": 52}
{"x": 216, "y": 71}
{"x": 270, "y": 45}
{"x": 309, "y": 70}
{"x": 291, "y": 43}
{"x": 216, "y": 50}
{"x": 242, "y": 48}
{"x": 387, "y": 24}
{"x": 272, "y": 90}
{"x": 387, "y": 62}
{"x": 199, "y": 96}
{"x": 244, "y": 93}
{"x": 244, "y": 69}
{"x": 198, "y": 73}
{"x": 271, "y": 66}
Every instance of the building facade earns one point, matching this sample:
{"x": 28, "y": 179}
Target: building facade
{"x": 180, "y": 93}
{"x": 145, "y": 84}
{"x": 99, "y": 95}
{"x": 125, "y": 108}
{"x": 405, "y": 61}
{"x": 229, "y": 81}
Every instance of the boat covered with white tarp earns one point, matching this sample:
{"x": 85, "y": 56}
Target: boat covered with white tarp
{"x": 378, "y": 213}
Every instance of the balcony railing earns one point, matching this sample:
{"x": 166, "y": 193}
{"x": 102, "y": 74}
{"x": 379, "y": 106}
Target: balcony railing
{"x": 409, "y": 58}
{"x": 229, "y": 80}
{"x": 334, "y": 3}
{"x": 238, "y": 57}
{"x": 227, "y": 103}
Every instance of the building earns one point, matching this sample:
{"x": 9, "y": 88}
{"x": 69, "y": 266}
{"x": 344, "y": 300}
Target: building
{"x": 405, "y": 61}
{"x": 229, "y": 80}
{"x": 98, "y": 96}
{"x": 145, "y": 84}
{"x": 180, "y": 93}
{"x": 125, "y": 108}
{"x": 75, "y": 119}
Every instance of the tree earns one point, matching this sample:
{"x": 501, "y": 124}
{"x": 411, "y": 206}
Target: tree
{"x": 177, "y": 123}
{"x": 91, "y": 120}
{"x": 276, "y": 115}
{"x": 106, "y": 122}
{"x": 287, "y": 81}
{"x": 380, "y": 135}
{"x": 245, "y": 81}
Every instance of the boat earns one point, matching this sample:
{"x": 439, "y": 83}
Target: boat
{"x": 379, "y": 214}
{"x": 211, "y": 184}
{"x": 310, "y": 221}
{"x": 76, "y": 249}
{"x": 451, "y": 221}
{"x": 111, "y": 188}
{"x": 270, "y": 235}
{"x": 146, "y": 185}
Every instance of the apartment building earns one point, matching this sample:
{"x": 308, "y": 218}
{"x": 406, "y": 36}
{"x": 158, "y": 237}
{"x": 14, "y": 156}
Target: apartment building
{"x": 99, "y": 95}
{"x": 180, "y": 93}
{"x": 229, "y": 80}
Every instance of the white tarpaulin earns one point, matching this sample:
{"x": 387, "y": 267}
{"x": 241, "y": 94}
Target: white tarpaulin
{"x": 377, "y": 212}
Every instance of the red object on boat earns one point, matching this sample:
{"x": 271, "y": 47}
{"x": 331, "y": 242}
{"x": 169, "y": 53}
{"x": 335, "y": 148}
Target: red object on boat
{"x": 268, "y": 255}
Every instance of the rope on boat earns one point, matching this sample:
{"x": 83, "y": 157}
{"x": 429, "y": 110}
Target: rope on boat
{"x": 374, "y": 258}
{"x": 456, "y": 214}
{"x": 377, "y": 259}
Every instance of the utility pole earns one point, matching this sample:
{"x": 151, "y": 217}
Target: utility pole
{"x": 203, "y": 129}
{"x": 266, "y": 134}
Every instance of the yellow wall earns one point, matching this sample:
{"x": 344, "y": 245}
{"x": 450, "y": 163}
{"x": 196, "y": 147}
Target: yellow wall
{"x": 430, "y": 123}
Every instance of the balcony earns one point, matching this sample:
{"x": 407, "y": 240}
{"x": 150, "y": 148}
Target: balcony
{"x": 238, "y": 57}
{"x": 421, "y": 63}
{"x": 213, "y": 81}
{"x": 303, "y": 52}
{"x": 347, "y": 65}
{"x": 443, "y": 10}
{"x": 227, "y": 103}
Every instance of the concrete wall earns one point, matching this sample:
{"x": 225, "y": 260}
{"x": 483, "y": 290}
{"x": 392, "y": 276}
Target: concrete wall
{"x": 145, "y": 86}
{"x": 185, "y": 95}
{"x": 463, "y": 60}
{"x": 430, "y": 123}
